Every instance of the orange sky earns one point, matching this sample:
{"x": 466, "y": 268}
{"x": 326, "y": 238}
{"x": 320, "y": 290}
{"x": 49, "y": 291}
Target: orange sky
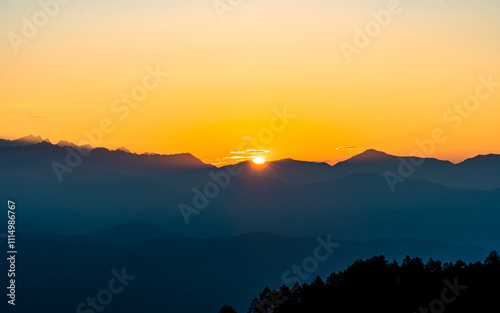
{"x": 228, "y": 77}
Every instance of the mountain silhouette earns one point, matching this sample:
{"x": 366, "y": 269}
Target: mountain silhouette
{"x": 172, "y": 271}
{"x": 118, "y": 209}
{"x": 481, "y": 172}
{"x": 24, "y": 141}
{"x": 288, "y": 197}
{"x": 124, "y": 234}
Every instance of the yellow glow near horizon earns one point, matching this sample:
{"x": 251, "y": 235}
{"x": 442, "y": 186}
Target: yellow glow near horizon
{"x": 227, "y": 77}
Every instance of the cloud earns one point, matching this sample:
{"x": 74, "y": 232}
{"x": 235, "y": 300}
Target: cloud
{"x": 236, "y": 156}
{"x": 349, "y": 148}
{"x": 249, "y": 151}
{"x": 218, "y": 162}
{"x": 38, "y": 117}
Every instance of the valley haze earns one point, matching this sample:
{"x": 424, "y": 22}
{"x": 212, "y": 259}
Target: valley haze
{"x": 262, "y": 219}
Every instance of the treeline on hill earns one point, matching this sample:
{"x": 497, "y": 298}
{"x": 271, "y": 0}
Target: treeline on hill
{"x": 375, "y": 285}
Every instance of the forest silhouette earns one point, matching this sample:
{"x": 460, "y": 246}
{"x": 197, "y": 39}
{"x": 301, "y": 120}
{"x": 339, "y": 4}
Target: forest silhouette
{"x": 377, "y": 285}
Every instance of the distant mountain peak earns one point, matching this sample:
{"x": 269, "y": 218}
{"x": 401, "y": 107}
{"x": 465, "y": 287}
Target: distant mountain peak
{"x": 123, "y": 149}
{"x": 293, "y": 161}
{"x": 28, "y": 140}
{"x": 64, "y": 143}
{"x": 482, "y": 158}
{"x": 371, "y": 155}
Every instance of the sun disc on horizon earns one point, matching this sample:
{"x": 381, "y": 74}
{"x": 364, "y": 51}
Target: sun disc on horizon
{"x": 259, "y": 160}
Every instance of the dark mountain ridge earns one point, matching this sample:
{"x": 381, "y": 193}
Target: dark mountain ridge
{"x": 172, "y": 271}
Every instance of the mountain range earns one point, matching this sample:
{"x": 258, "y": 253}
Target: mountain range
{"x": 120, "y": 210}
{"x": 480, "y": 172}
{"x": 352, "y": 200}
{"x": 175, "y": 273}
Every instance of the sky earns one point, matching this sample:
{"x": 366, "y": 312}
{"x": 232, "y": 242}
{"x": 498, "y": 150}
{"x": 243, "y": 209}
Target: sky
{"x": 311, "y": 80}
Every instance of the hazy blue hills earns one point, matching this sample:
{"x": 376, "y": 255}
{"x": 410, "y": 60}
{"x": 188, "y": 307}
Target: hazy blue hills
{"x": 116, "y": 210}
{"x": 187, "y": 274}
{"x": 287, "y": 197}
{"x": 125, "y": 234}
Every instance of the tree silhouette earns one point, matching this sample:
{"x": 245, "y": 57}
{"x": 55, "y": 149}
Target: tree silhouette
{"x": 227, "y": 309}
{"x": 375, "y": 285}
{"x": 492, "y": 259}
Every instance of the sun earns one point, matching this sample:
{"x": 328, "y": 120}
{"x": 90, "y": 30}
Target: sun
{"x": 259, "y": 160}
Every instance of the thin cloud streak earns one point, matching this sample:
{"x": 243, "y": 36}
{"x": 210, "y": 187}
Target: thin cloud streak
{"x": 349, "y": 148}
